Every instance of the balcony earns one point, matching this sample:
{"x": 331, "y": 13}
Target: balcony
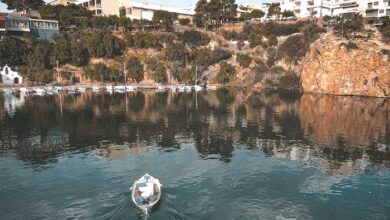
{"x": 371, "y": 14}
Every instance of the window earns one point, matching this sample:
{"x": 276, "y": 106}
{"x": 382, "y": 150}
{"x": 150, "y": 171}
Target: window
{"x": 381, "y": 11}
{"x": 129, "y": 11}
{"x": 376, "y": 3}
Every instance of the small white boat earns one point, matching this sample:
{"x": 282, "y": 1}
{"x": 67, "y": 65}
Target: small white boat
{"x": 58, "y": 89}
{"x": 161, "y": 88}
{"x": 96, "y": 88}
{"x": 109, "y": 88}
{"x": 181, "y": 89}
{"x": 188, "y": 88}
{"x": 198, "y": 88}
{"x": 39, "y": 91}
{"x": 24, "y": 91}
{"x": 72, "y": 90}
{"x": 131, "y": 88}
{"x": 82, "y": 89}
{"x": 146, "y": 192}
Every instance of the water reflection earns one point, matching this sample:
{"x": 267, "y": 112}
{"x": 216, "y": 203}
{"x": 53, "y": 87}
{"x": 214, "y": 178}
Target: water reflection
{"x": 344, "y": 135}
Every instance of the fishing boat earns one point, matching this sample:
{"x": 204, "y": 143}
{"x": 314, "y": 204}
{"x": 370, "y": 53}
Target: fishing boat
{"x": 96, "y": 88}
{"x": 146, "y": 192}
{"x": 198, "y": 88}
{"x": 82, "y": 89}
{"x": 131, "y": 88}
{"x": 24, "y": 91}
{"x": 109, "y": 88}
{"x": 72, "y": 90}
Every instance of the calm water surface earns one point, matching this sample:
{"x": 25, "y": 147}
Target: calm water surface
{"x": 224, "y": 154}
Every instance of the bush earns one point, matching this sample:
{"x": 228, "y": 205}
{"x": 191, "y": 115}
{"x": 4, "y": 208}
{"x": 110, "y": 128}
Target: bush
{"x": 272, "y": 41}
{"x": 229, "y": 35}
{"x": 272, "y": 28}
{"x": 188, "y": 76}
{"x": 151, "y": 63}
{"x": 184, "y": 22}
{"x": 350, "y": 45}
{"x": 255, "y": 40}
{"x": 244, "y": 60}
{"x": 39, "y": 58}
{"x": 143, "y": 40}
{"x": 194, "y": 38}
{"x": 277, "y": 70}
{"x": 260, "y": 69}
{"x": 13, "y": 52}
{"x": 206, "y": 58}
{"x": 312, "y": 32}
{"x": 160, "y": 74}
{"x": 348, "y": 27}
{"x": 135, "y": 68}
{"x": 225, "y": 73}
{"x": 102, "y": 73}
{"x": 103, "y": 44}
{"x": 289, "y": 81}
{"x": 176, "y": 52}
{"x": 293, "y": 49}
{"x": 385, "y": 30}
{"x": 271, "y": 56}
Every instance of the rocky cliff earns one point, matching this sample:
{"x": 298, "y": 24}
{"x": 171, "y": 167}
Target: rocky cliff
{"x": 336, "y": 67}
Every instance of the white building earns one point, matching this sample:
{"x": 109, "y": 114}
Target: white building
{"x": 10, "y": 77}
{"x": 318, "y": 8}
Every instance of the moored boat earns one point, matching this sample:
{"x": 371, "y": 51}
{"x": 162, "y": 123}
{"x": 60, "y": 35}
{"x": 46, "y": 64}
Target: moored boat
{"x": 146, "y": 192}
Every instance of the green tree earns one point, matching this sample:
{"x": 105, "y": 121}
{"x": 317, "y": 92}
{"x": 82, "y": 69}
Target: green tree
{"x": 257, "y": 14}
{"x": 176, "y": 52}
{"x": 136, "y": 69}
{"x": 229, "y": 10}
{"x": 61, "y": 50}
{"x": 164, "y": 18}
{"x": 194, "y": 38}
{"x": 274, "y": 10}
{"x": 348, "y": 27}
{"x": 225, "y": 73}
{"x": 80, "y": 55}
{"x": 13, "y": 52}
{"x": 201, "y": 13}
{"x": 160, "y": 74}
{"x": 39, "y": 57}
{"x": 288, "y": 14}
{"x": 272, "y": 40}
{"x": 23, "y": 4}
{"x": 184, "y": 21}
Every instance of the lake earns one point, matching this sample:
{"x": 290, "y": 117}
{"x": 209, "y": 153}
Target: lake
{"x": 225, "y": 154}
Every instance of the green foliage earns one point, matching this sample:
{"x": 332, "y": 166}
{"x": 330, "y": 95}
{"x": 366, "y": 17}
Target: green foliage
{"x": 272, "y": 28}
{"x": 274, "y": 10}
{"x": 176, "y": 52}
{"x": 256, "y": 14}
{"x": 160, "y": 74}
{"x": 165, "y": 19}
{"x": 188, "y": 76}
{"x": 13, "y": 52}
{"x": 385, "y": 30}
{"x": 288, "y": 14}
{"x": 102, "y": 73}
{"x": 255, "y": 40}
{"x": 225, "y": 73}
{"x": 289, "y": 81}
{"x": 350, "y": 45}
{"x": 103, "y": 44}
{"x": 194, "y": 38}
{"x": 312, "y": 32}
{"x": 67, "y": 15}
{"x": 259, "y": 70}
{"x": 41, "y": 75}
{"x": 143, "y": 40}
{"x": 229, "y": 35}
{"x": 135, "y": 68}
{"x": 293, "y": 49}
{"x": 272, "y": 41}
{"x": 39, "y": 58}
{"x": 177, "y": 69}
{"x": 61, "y": 50}
{"x": 80, "y": 55}
{"x": 214, "y": 12}
{"x": 184, "y": 21}
{"x": 151, "y": 63}
{"x": 206, "y": 58}
{"x": 244, "y": 60}
{"x": 23, "y": 4}
{"x": 348, "y": 27}
{"x": 271, "y": 56}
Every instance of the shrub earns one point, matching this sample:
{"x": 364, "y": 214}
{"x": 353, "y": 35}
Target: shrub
{"x": 184, "y": 22}
{"x": 350, "y": 45}
{"x": 160, "y": 74}
{"x": 225, "y": 73}
{"x": 277, "y": 70}
{"x": 255, "y": 40}
{"x": 385, "y": 30}
{"x": 41, "y": 75}
{"x": 272, "y": 41}
{"x": 176, "y": 52}
{"x": 271, "y": 56}
{"x": 135, "y": 68}
{"x": 293, "y": 49}
{"x": 194, "y": 38}
{"x": 259, "y": 70}
{"x": 311, "y": 32}
{"x": 103, "y": 44}
{"x": 289, "y": 81}
{"x": 177, "y": 69}
{"x": 143, "y": 40}
{"x": 151, "y": 63}
{"x": 244, "y": 60}
{"x": 188, "y": 76}
{"x": 229, "y": 35}
{"x": 39, "y": 58}
{"x": 206, "y": 58}
{"x": 272, "y": 28}
{"x": 102, "y": 73}
{"x": 348, "y": 27}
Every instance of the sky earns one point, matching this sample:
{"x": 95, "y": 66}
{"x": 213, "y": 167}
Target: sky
{"x": 173, "y": 3}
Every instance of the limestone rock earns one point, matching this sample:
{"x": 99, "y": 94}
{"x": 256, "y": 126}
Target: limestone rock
{"x": 331, "y": 68}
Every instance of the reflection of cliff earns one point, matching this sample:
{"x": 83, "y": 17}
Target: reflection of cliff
{"x": 345, "y": 120}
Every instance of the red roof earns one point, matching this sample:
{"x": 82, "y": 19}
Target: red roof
{"x": 2, "y": 19}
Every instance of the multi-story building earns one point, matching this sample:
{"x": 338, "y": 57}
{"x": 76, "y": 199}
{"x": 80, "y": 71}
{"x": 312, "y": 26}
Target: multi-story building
{"x": 370, "y": 9}
{"x": 38, "y": 28}
{"x": 143, "y": 11}
{"x": 101, "y": 7}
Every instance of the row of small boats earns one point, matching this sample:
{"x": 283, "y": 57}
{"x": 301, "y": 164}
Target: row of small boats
{"x": 121, "y": 89}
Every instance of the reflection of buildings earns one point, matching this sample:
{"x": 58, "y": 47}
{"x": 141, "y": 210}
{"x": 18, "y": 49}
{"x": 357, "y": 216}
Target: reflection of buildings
{"x": 12, "y": 103}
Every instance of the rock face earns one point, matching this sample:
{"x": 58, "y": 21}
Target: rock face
{"x": 331, "y": 68}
